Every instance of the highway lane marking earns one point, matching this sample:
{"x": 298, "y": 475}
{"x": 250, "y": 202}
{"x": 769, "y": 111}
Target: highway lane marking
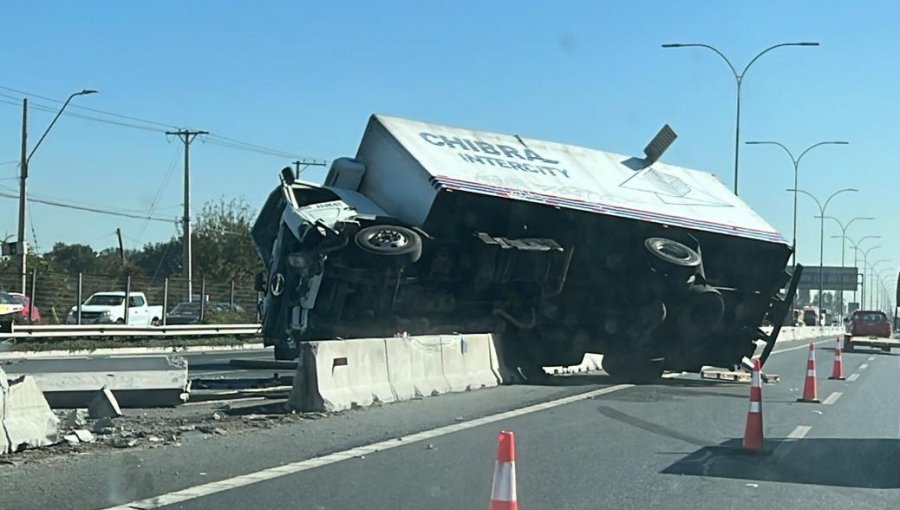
{"x": 864, "y": 366}
{"x": 791, "y": 441}
{"x": 197, "y": 491}
{"x": 804, "y": 346}
{"x": 871, "y": 358}
{"x": 853, "y": 377}
{"x": 799, "y": 432}
{"x": 832, "y": 398}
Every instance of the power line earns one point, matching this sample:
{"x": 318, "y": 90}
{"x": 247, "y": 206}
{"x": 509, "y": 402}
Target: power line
{"x": 215, "y": 138}
{"x": 91, "y": 209}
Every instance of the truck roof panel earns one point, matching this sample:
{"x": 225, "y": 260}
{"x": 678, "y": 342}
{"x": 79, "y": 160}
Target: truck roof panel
{"x": 575, "y": 177}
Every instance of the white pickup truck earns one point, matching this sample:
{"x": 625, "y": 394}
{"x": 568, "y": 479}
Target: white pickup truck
{"x": 108, "y": 308}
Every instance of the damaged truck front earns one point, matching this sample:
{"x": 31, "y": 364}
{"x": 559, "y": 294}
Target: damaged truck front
{"x": 559, "y": 250}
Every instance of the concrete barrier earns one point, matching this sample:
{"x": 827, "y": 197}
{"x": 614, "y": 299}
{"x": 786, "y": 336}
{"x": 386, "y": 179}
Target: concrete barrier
{"x": 338, "y": 375}
{"x": 793, "y": 334}
{"x": 28, "y": 421}
{"x": 415, "y": 366}
{"x": 136, "y": 381}
{"x": 470, "y": 362}
{"x": 341, "y": 374}
{"x": 590, "y": 363}
{"x": 4, "y": 389}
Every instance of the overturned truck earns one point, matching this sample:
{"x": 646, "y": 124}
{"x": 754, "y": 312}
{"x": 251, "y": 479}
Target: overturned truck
{"x": 559, "y": 250}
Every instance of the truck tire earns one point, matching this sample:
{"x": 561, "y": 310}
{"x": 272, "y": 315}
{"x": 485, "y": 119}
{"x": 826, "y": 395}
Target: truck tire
{"x": 286, "y": 353}
{"x": 390, "y": 244}
{"x": 671, "y": 257}
{"x": 154, "y": 322}
{"x": 633, "y": 368}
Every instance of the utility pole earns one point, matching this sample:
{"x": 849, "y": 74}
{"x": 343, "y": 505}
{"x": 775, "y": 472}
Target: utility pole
{"x": 297, "y": 169}
{"x": 23, "y": 175}
{"x": 187, "y": 136}
{"x": 121, "y": 247}
{"x": 305, "y": 162}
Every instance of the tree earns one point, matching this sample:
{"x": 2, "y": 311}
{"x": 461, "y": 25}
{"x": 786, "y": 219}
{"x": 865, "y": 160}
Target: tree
{"x": 222, "y": 246}
{"x": 72, "y": 258}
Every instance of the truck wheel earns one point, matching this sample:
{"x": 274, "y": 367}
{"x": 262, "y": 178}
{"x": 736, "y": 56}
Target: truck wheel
{"x": 154, "y": 322}
{"x": 633, "y": 368}
{"x": 285, "y": 353}
{"x": 120, "y": 321}
{"x": 671, "y": 257}
{"x": 394, "y": 245}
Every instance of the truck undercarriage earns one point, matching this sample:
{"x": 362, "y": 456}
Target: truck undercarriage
{"x": 553, "y": 284}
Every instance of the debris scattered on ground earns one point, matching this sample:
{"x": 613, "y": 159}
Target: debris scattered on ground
{"x": 71, "y": 439}
{"x": 124, "y": 442}
{"x": 84, "y": 435}
{"x": 104, "y": 405}
{"x": 72, "y": 418}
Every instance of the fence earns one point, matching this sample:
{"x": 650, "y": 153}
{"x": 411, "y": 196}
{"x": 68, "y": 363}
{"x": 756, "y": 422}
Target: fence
{"x": 55, "y": 294}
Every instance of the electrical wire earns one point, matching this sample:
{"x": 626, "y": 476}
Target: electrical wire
{"x": 91, "y": 209}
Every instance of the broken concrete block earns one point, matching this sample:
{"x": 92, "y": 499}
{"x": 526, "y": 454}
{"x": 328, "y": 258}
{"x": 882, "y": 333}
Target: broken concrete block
{"x": 71, "y": 439}
{"x": 4, "y": 389}
{"x": 83, "y": 435}
{"x": 27, "y": 418}
{"x": 104, "y": 405}
{"x": 72, "y": 418}
{"x": 104, "y": 424}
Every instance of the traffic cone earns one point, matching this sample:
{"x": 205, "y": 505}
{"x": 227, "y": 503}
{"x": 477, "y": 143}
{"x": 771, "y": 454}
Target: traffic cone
{"x": 753, "y": 432}
{"x": 837, "y": 372}
{"x": 503, "y": 490}
{"x": 810, "y": 387}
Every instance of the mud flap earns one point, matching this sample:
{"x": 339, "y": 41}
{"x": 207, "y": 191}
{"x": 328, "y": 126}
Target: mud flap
{"x": 778, "y": 310}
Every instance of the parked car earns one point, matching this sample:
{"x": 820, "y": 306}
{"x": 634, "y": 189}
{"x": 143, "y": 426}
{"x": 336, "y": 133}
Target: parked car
{"x": 9, "y": 308}
{"x": 27, "y": 314}
{"x": 869, "y": 328}
{"x": 189, "y": 313}
{"x": 108, "y": 308}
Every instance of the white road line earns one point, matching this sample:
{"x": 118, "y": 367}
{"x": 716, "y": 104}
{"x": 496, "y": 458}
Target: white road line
{"x": 799, "y": 432}
{"x": 804, "y": 346}
{"x": 832, "y": 398}
{"x": 864, "y": 366}
{"x": 853, "y": 377}
{"x": 792, "y": 439}
{"x": 190, "y": 493}
{"x": 871, "y": 358}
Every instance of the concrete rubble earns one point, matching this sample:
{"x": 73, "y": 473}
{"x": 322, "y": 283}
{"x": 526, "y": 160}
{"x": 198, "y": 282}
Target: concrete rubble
{"x": 27, "y": 420}
{"x": 104, "y": 405}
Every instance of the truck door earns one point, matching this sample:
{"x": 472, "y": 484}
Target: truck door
{"x": 137, "y": 312}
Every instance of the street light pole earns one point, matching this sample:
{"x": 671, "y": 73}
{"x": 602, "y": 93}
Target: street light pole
{"x": 739, "y": 79}
{"x": 843, "y": 237}
{"x": 856, "y": 248}
{"x": 822, "y": 235}
{"x": 22, "y": 250}
{"x": 796, "y": 162}
{"x": 871, "y": 294}
{"x": 865, "y": 268}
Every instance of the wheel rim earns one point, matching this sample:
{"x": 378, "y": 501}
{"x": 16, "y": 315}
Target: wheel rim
{"x": 388, "y": 238}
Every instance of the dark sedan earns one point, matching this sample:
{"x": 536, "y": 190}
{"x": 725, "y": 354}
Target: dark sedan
{"x": 189, "y": 313}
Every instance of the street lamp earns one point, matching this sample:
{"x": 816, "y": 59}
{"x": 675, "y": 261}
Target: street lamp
{"x": 865, "y": 268}
{"x": 881, "y": 285}
{"x": 822, "y": 233}
{"x": 22, "y": 249}
{"x": 843, "y": 236}
{"x": 871, "y": 293}
{"x": 796, "y": 162}
{"x": 739, "y": 78}
{"x": 856, "y": 250}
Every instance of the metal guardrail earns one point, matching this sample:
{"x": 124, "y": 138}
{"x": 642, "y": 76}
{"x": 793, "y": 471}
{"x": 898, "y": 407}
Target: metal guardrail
{"x": 121, "y": 330}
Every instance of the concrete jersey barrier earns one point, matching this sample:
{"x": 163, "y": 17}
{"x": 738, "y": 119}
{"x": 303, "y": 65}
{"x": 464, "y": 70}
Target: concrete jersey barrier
{"x": 340, "y": 375}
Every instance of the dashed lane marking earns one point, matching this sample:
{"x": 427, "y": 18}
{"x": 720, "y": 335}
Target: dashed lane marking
{"x": 799, "y": 432}
{"x": 871, "y": 358}
{"x": 853, "y": 377}
{"x": 832, "y": 398}
{"x": 864, "y": 366}
{"x": 792, "y": 439}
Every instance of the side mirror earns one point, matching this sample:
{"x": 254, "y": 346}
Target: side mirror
{"x": 260, "y": 283}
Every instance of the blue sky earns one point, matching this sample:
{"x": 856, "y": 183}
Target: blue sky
{"x": 303, "y": 77}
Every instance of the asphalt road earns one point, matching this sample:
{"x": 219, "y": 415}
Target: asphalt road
{"x": 672, "y": 445}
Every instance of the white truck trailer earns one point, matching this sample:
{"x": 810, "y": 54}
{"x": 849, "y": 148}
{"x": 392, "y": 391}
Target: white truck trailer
{"x": 557, "y": 249}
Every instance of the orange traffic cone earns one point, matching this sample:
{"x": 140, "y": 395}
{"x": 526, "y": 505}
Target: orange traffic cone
{"x": 503, "y": 490}
{"x": 753, "y": 432}
{"x": 810, "y": 387}
{"x": 837, "y": 372}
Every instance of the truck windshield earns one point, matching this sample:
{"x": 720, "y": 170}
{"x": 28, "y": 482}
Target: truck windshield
{"x": 105, "y": 300}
